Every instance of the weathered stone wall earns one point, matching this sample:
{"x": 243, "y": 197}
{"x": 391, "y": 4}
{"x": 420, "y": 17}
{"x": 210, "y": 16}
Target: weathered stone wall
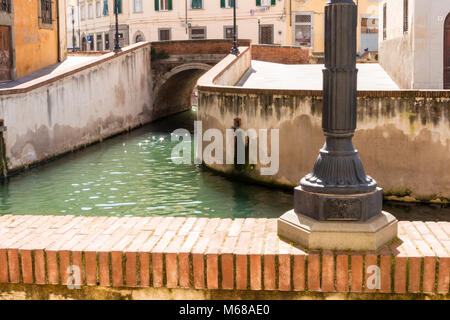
{"x": 403, "y": 136}
{"x": 82, "y": 106}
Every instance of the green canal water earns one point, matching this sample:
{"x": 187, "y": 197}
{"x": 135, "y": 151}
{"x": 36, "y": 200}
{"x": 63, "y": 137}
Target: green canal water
{"x": 133, "y": 175}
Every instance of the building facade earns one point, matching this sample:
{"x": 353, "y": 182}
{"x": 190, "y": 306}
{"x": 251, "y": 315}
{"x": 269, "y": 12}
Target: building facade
{"x": 262, "y": 21}
{"x": 32, "y": 36}
{"x": 415, "y": 42}
{"x": 306, "y": 20}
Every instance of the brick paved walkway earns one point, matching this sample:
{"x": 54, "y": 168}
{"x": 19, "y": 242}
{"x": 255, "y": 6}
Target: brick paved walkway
{"x": 217, "y": 253}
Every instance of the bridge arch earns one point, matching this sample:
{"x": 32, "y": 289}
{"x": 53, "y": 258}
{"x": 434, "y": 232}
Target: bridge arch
{"x": 173, "y": 91}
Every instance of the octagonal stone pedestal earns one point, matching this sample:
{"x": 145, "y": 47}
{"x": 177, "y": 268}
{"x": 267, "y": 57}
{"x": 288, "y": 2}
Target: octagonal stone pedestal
{"x": 338, "y": 235}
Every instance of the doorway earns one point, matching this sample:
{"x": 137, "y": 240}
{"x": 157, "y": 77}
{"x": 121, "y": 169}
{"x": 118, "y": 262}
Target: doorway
{"x": 447, "y": 53}
{"x": 5, "y": 54}
{"x": 266, "y": 34}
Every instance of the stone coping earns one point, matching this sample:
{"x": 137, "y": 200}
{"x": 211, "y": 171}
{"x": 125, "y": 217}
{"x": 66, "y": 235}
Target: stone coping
{"x": 213, "y": 254}
{"x": 48, "y": 79}
{"x": 207, "y": 83}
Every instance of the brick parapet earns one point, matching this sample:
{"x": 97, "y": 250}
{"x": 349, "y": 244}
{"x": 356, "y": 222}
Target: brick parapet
{"x": 214, "y": 254}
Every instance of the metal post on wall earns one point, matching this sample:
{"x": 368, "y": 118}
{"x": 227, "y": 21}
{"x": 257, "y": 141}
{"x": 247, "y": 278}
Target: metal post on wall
{"x": 235, "y": 49}
{"x": 117, "y": 45}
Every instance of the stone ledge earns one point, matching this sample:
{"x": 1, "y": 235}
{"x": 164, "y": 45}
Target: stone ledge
{"x": 213, "y": 254}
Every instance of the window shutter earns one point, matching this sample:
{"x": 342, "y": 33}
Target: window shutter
{"x": 274, "y": 2}
{"x": 170, "y": 4}
{"x": 258, "y": 3}
{"x": 156, "y": 5}
{"x": 232, "y": 3}
{"x": 222, "y": 3}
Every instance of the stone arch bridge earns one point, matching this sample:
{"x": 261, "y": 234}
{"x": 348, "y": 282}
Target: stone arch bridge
{"x": 176, "y": 67}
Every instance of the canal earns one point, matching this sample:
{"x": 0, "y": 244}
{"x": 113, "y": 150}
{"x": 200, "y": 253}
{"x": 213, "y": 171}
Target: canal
{"x": 133, "y": 175}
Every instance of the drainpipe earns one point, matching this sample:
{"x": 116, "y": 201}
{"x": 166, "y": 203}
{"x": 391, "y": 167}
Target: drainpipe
{"x": 58, "y": 30}
{"x": 3, "y": 162}
{"x": 185, "y": 14}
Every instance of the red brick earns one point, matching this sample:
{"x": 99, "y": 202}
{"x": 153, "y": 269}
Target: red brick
{"x": 356, "y": 272}
{"x": 144, "y": 272}
{"x": 184, "y": 270}
{"x": 327, "y": 271}
{"x": 342, "y": 272}
{"x": 414, "y": 274}
{"x": 64, "y": 265}
{"x": 429, "y": 274}
{"x": 27, "y": 267}
{"x": 52, "y": 267}
{"x": 3, "y": 266}
{"x": 269, "y": 272}
{"x": 212, "y": 271}
{"x": 171, "y": 270}
{"x": 313, "y": 271}
{"x": 77, "y": 262}
{"x": 400, "y": 275}
{"x": 90, "y": 259}
{"x": 385, "y": 270}
{"x": 199, "y": 271}
{"x": 284, "y": 282}
{"x": 131, "y": 269}
{"x": 255, "y": 272}
{"x": 13, "y": 265}
{"x": 104, "y": 264}
{"x": 371, "y": 279}
{"x": 299, "y": 272}
{"x": 227, "y": 271}
{"x": 444, "y": 275}
{"x": 39, "y": 266}
{"x": 241, "y": 272}
{"x": 116, "y": 268}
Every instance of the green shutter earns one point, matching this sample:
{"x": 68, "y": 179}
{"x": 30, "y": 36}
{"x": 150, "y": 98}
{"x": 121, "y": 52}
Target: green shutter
{"x": 120, "y": 5}
{"x": 232, "y": 3}
{"x": 156, "y": 5}
{"x": 222, "y": 3}
{"x": 258, "y": 3}
{"x": 170, "y": 4}
{"x": 274, "y": 2}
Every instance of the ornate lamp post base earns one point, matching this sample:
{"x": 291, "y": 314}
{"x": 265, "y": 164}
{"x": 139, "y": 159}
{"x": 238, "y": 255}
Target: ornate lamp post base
{"x": 334, "y": 235}
{"x": 337, "y": 206}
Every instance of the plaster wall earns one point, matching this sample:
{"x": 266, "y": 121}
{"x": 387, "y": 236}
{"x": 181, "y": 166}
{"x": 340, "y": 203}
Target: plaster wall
{"x": 88, "y": 105}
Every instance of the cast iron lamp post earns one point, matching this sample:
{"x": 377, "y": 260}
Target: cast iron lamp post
{"x": 338, "y": 206}
{"x": 117, "y": 45}
{"x": 235, "y": 49}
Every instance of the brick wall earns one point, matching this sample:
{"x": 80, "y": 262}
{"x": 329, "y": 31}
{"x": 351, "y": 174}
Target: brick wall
{"x": 185, "y": 47}
{"x": 280, "y": 54}
{"x": 212, "y": 254}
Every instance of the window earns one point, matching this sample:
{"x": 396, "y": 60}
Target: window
{"x": 106, "y": 41}
{"x": 384, "y": 21}
{"x": 163, "y": 5}
{"x": 98, "y": 9}
{"x": 228, "y": 32}
{"x": 91, "y": 42}
{"x": 5, "y": 5}
{"x": 369, "y": 25}
{"x": 137, "y": 5}
{"x": 405, "y": 16}
{"x": 164, "y": 34}
{"x": 197, "y": 4}
{"x": 83, "y": 12}
{"x": 90, "y": 11}
{"x": 119, "y": 6}
{"x": 266, "y": 34}
{"x": 99, "y": 42}
{"x": 265, "y": 3}
{"x": 105, "y": 8}
{"x": 226, "y": 3}
{"x": 45, "y": 12}
{"x": 197, "y": 33}
{"x": 303, "y": 30}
